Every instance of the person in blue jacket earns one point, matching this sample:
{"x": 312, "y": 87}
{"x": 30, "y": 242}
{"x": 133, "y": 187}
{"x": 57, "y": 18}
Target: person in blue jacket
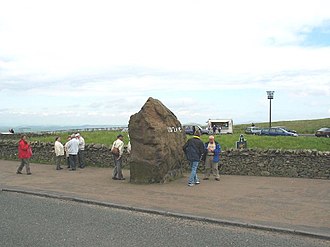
{"x": 212, "y": 158}
{"x": 194, "y": 150}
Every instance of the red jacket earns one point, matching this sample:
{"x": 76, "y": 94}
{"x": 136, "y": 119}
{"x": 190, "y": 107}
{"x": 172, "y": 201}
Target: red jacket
{"x": 24, "y": 150}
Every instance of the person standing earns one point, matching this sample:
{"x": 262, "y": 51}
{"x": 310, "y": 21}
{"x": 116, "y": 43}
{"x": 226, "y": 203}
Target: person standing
{"x": 59, "y": 153}
{"x": 73, "y": 148}
{"x": 117, "y": 150}
{"x": 24, "y": 154}
{"x": 67, "y": 157}
{"x": 214, "y": 128}
{"x": 194, "y": 150}
{"x": 219, "y": 130}
{"x": 212, "y": 159}
{"x": 81, "y": 152}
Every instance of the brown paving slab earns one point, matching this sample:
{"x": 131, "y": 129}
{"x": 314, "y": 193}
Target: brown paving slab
{"x": 295, "y": 203}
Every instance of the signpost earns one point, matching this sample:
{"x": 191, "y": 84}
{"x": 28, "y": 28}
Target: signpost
{"x": 241, "y": 143}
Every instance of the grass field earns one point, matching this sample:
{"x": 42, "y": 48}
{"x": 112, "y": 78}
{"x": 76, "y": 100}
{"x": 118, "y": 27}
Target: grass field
{"x": 275, "y": 142}
{"x": 226, "y": 141}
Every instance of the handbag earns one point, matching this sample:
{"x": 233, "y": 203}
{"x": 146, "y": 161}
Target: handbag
{"x": 29, "y": 151}
{"x": 115, "y": 151}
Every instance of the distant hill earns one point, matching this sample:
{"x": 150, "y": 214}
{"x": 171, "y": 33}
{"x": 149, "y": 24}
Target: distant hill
{"x": 56, "y": 128}
{"x": 301, "y": 126}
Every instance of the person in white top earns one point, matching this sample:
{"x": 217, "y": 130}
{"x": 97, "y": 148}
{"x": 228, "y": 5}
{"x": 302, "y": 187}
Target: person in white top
{"x": 81, "y": 156}
{"x": 73, "y": 148}
{"x": 117, "y": 150}
{"x": 59, "y": 153}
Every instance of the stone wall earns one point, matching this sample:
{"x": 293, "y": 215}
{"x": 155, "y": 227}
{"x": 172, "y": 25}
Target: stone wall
{"x": 276, "y": 163}
{"x": 95, "y": 154}
{"x": 252, "y": 162}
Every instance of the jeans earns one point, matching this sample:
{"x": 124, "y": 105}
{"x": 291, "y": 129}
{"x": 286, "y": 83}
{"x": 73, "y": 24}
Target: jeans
{"x": 81, "y": 158}
{"x": 68, "y": 161}
{"x": 117, "y": 172}
{"x": 73, "y": 161}
{"x": 193, "y": 176}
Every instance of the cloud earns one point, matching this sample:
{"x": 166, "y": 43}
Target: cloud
{"x": 101, "y": 60}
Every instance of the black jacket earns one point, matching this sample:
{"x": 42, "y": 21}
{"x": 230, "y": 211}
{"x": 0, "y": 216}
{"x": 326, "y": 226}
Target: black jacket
{"x": 194, "y": 149}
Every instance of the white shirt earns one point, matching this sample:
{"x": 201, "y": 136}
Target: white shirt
{"x": 120, "y": 145}
{"x": 81, "y": 141}
{"x": 73, "y": 146}
{"x": 59, "y": 149}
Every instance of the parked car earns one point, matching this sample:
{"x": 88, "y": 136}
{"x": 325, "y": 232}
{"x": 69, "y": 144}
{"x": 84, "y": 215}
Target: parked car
{"x": 285, "y": 128}
{"x": 189, "y": 129}
{"x": 276, "y": 131}
{"x": 253, "y": 130}
{"x": 323, "y": 132}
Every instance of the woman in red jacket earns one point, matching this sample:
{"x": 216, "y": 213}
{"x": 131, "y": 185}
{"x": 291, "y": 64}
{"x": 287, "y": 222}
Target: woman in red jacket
{"x": 24, "y": 153}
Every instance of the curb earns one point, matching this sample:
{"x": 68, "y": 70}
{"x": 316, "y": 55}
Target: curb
{"x": 171, "y": 214}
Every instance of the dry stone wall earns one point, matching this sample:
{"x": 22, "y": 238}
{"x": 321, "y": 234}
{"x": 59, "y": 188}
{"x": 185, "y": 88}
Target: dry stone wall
{"x": 252, "y": 162}
{"x": 95, "y": 154}
{"x": 276, "y": 163}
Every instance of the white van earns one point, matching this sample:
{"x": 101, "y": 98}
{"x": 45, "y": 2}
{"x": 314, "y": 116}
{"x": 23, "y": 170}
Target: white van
{"x": 220, "y": 126}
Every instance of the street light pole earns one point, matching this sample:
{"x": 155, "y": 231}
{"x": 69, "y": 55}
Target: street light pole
{"x": 270, "y": 95}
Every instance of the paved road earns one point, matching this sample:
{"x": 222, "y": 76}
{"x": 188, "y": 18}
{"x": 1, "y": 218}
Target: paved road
{"x": 34, "y": 221}
{"x": 291, "y": 203}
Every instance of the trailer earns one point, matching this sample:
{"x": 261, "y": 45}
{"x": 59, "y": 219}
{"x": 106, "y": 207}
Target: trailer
{"x": 220, "y": 126}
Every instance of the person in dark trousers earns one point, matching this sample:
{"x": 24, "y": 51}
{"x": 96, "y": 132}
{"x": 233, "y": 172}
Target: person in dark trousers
{"x": 73, "y": 148}
{"x": 214, "y": 128}
{"x": 81, "y": 152}
{"x": 24, "y": 154}
{"x": 194, "y": 150}
{"x": 118, "y": 145}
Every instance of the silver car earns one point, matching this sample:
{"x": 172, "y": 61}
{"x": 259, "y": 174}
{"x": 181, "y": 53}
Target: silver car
{"x": 253, "y": 130}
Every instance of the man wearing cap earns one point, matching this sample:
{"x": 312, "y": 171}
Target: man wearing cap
{"x": 194, "y": 149}
{"x": 81, "y": 151}
{"x": 118, "y": 144}
{"x": 212, "y": 159}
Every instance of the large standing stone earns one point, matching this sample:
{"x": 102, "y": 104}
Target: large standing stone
{"x": 157, "y": 138}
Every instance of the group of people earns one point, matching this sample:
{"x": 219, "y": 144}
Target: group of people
{"x": 216, "y": 129}
{"x": 73, "y": 150}
{"x": 196, "y": 151}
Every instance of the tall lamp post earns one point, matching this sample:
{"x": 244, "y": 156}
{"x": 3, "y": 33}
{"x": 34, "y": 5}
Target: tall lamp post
{"x": 270, "y": 95}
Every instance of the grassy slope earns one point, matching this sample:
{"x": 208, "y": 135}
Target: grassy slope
{"x": 301, "y": 126}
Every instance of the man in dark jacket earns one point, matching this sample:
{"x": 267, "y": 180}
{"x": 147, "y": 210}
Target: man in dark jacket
{"x": 194, "y": 149}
